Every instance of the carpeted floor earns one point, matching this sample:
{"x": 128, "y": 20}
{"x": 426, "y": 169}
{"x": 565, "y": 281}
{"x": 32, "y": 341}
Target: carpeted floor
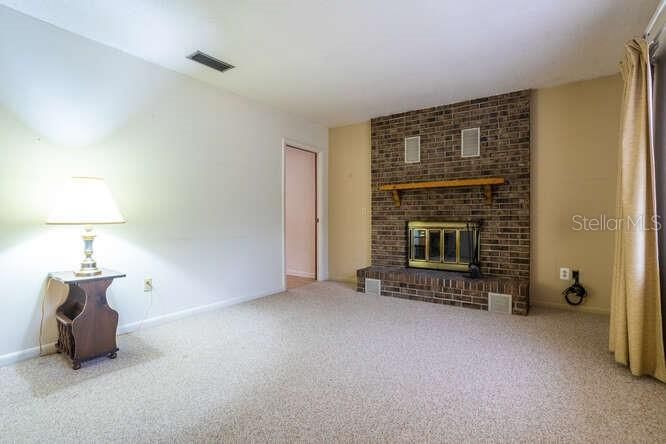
{"x": 324, "y": 363}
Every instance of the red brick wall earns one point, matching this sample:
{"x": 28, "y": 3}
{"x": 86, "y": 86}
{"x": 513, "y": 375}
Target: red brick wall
{"x": 505, "y": 151}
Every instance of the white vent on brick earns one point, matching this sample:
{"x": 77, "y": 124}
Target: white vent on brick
{"x": 413, "y": 149}
{"x": 499, "y": 303}
{"x": 373, "y": 286}
{"x": 471, "y": 142}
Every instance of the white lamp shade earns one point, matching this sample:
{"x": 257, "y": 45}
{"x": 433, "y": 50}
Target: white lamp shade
{"x": 85, "y": 201}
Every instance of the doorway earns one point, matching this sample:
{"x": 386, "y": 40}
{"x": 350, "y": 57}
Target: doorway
{"x": 300, "y": 216}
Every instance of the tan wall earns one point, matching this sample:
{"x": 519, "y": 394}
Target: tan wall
{"x": 349, "y": 200}
{"x": 574, "y": 156}
{"x": 575, "y": 132}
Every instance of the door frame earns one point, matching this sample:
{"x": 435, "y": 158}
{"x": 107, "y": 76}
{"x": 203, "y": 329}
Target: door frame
{"x": 289, "y": 143}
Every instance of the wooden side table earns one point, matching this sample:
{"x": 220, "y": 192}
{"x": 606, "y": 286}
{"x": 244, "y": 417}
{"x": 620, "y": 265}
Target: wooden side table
{"x": 86, "y": 324}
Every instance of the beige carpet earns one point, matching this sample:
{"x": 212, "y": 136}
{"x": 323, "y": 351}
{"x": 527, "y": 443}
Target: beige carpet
{"x": 323, "y": 363}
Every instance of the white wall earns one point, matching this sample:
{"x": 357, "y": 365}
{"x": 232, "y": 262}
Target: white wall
{"x": 300, "y": 188}
{"x": 196, "y": 172}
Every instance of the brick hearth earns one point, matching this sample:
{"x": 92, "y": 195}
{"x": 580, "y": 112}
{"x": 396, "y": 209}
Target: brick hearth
{"x": 445, "y": 287}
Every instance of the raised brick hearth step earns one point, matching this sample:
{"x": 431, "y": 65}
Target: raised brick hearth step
{"x": 445, "y": 287}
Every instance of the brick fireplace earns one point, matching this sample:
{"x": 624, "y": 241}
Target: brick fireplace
{"x": 504, "y": 236}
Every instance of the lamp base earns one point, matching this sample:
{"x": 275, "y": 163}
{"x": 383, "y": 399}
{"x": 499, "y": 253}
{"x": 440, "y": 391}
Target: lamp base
{"x": 89, "y": 265}
{"x": 86, "y": 273}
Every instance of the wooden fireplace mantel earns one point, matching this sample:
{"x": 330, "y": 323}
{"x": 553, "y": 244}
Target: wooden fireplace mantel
{"x": 485, "y": 182}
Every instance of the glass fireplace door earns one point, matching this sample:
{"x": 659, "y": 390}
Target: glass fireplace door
{"x": 418, "y": 245}
{"x": 442, "y": 245}
{"x": 434, "y": 245}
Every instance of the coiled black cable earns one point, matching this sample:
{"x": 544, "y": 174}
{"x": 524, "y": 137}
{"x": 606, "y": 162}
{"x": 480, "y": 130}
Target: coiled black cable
{"x": 575, "y": 291}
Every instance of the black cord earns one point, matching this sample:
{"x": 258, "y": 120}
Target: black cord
{"x": 575, "y": 291}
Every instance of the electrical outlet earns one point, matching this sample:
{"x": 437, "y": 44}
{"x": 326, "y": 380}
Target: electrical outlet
{"x": 565, "y": 274}
{"x": 148, "y": 284}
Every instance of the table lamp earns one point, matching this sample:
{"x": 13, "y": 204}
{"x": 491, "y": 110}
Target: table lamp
{"x": 86, "y": 201}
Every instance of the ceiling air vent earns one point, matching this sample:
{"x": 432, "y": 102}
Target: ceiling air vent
{"x": 413, "y": 149}
{"x": 210, "y": 61}
{"x": 470, "y": 142}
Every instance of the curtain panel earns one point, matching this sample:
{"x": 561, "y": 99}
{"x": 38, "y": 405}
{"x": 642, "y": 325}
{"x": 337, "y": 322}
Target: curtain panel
{"x": 636, "y": 337}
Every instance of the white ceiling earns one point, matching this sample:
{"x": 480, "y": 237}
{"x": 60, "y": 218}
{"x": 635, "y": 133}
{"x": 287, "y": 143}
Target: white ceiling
{"x": 342, "y": 61}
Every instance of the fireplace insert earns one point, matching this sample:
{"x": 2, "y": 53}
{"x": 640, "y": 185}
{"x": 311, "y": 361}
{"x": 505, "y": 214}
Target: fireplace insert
{"x": 443, "y": 245}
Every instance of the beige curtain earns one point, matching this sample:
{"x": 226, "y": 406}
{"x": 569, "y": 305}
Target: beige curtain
{"x": 635, "y": 323}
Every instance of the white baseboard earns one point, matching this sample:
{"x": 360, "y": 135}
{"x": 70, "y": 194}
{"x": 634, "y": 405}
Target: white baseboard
{"x": 563, "y": 306}
{"x": 33, "y": 352}
{"x": 158, "y": 320}
{"x": 303, "y": 274}
{"x": 28, "y": 353}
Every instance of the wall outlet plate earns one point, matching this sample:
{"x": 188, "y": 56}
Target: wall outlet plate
{"x": 148, "y": 284}
{"x": 565, "y": 274}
